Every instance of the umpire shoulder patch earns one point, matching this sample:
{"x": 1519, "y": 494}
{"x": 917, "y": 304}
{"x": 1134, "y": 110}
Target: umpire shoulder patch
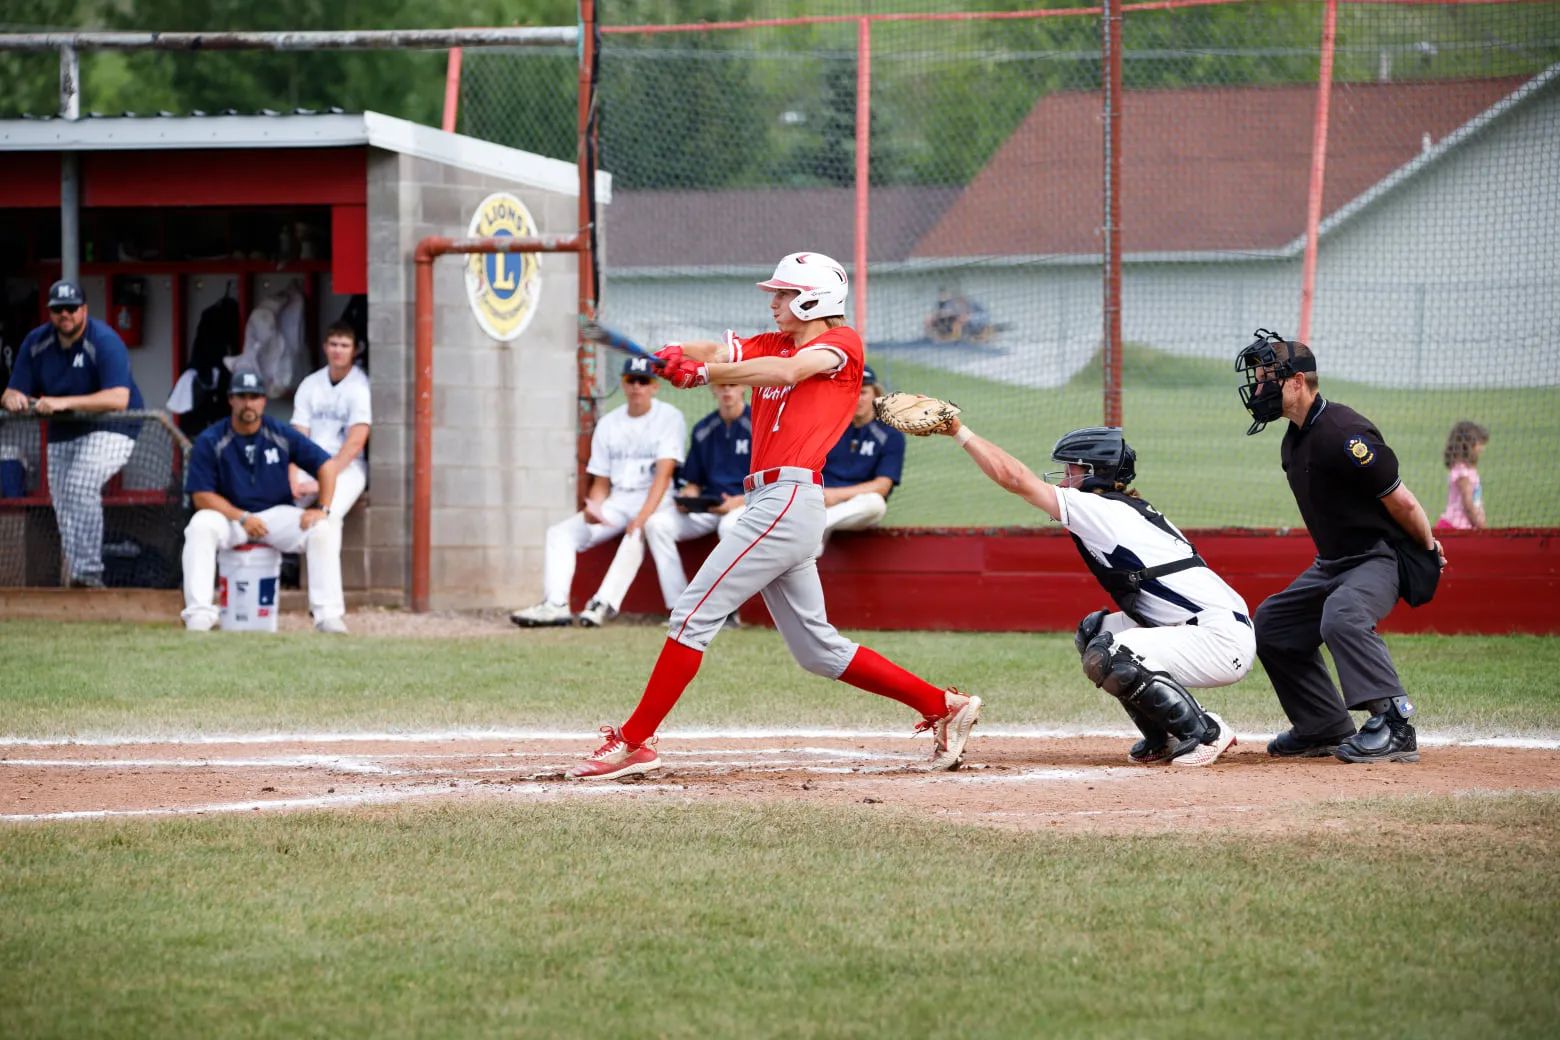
{"x": 1360, "y": 453}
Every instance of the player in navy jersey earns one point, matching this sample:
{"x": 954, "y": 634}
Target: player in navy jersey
{"x": 238, "y": 483}
{"x": 1177, "y": 625}
{"x": 863, "y": 467}
{"x": 75, "y": 363}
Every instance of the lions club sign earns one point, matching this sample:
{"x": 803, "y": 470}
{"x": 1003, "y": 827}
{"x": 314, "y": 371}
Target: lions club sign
{"x": 503, "y": 287}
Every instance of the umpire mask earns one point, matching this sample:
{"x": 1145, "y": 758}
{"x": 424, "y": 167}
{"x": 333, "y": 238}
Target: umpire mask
{"x": 1263, "y": 394}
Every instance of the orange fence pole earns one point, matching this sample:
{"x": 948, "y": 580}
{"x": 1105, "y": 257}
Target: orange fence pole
{"x": 863, "y": 165}
{"x": 429, "y": 250}
{"x": 1110, "y": 24}
{"x": 452, "y": 90}
{"x": 1313, "y": 210}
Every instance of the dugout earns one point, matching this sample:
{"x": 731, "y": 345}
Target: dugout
{"x": 181, "y": 212}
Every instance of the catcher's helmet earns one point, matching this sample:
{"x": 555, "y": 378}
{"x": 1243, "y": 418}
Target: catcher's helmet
{"x": 1103, "y": 450}
{"x": 1265, "y": 373}
{"x": 820, "y": 282}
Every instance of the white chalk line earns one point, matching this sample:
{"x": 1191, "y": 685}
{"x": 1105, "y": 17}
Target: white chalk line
{"x": 1540, "y": 742}
{"x": 535, "y": 792}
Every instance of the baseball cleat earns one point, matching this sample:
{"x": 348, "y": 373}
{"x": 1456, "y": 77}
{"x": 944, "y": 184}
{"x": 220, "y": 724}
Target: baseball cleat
{"x": 1288, "y": 745}
{"x": 616, "y": 758}
{"x": 331, "y": 625}
{"x": 1208, "y": 754}
{"x": 543, "y": 614}
{"x": 199, "y": 623}
{"x": 1148, "y": 753}
{"x": 595, "y": 614}
{"x": 952, "y": 731}
{"x": 1383, "y": 738}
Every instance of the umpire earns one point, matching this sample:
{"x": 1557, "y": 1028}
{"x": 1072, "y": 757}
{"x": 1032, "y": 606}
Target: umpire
{"x": 1355, "y": 506}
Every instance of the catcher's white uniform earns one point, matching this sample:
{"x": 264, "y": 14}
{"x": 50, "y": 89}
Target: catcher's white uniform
{"x": 1201, "y": 632}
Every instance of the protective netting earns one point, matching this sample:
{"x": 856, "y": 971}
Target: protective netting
{"x": 99, "y": 504}
{"x": 1437, "y": 268}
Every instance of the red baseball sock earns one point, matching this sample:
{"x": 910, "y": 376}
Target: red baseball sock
{"x": 873, "y": 672}
{"x": 674, "y": 670}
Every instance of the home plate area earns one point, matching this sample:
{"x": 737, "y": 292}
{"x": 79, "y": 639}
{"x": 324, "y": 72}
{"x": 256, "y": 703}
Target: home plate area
{"x": 1018, "y": 780}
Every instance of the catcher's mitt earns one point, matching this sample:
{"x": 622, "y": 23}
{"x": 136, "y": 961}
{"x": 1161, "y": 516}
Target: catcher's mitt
{"x": 915, "y": 414}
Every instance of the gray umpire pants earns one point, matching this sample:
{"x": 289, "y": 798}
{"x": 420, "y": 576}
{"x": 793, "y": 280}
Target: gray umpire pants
{"x": 1336, "y": 602}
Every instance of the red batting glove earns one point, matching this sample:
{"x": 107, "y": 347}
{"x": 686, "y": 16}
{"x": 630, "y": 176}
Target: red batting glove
{"x": 686, "y": 374}
{"x": 671, "y": 353}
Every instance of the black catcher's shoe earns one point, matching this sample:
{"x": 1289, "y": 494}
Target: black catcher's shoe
{"x": 1388, "y": 737}
{"x": 1287, "y": 745}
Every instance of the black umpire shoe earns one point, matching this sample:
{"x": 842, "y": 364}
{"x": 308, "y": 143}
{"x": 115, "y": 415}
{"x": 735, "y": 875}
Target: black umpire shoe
{"x": 1288, "y": 745}
{"x": 1388, "y": 737}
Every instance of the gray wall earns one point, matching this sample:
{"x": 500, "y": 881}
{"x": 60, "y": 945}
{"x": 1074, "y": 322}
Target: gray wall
{"x": 504, "y": 413}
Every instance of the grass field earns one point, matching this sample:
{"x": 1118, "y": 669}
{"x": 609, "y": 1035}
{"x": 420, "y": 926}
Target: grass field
{"x": 135, "y": 680}
{"x": 1417, "y": 917}
{"x": 1195, "y": 462}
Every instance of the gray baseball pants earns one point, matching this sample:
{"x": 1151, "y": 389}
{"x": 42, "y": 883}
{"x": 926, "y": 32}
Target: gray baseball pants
{"x": 772, "y": 550}
{"x": 78, "y": 469}
{"x": 1336, "y": 602}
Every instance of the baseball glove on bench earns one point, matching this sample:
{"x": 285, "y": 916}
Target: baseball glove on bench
{"x": 915, "y": 414}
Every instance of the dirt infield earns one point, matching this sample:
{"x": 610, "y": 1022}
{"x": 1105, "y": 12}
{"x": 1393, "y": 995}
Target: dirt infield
{"x": 1024, "y": 782}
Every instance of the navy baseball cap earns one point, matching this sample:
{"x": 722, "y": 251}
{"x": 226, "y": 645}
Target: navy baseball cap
{"x": 868, "y": 377}
{"x": 638, "y": 366}
{"x": 246, "y": 381}
{"x": 65, "y": 294}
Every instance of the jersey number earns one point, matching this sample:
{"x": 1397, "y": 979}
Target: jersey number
{"x": 781, "y": 411}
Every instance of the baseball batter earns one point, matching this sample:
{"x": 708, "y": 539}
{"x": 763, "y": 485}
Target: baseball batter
{"x": 807, "y": 379}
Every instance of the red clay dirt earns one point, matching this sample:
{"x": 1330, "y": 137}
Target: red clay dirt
{"x": 1070, "y": 784}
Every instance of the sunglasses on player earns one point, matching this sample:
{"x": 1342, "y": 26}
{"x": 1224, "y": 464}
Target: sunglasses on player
{"x": 638, "y": 380}
{"x": 65, "y": 308}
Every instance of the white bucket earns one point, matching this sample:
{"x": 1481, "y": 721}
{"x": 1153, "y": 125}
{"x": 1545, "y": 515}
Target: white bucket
{"x": 247, "y": 580}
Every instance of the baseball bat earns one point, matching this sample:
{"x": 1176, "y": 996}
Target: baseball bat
{"x": 598, "y": 333}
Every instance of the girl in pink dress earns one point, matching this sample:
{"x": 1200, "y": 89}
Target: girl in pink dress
{"x": 1464, "y": 496}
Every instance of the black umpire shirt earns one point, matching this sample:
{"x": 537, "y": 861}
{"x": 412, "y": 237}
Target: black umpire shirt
{"x": 1340, "y": 468}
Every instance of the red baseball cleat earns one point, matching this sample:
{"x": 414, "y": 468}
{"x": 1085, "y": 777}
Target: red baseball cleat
{"x": 615, "y": 758}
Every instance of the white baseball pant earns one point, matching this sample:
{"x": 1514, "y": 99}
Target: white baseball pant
{"x": 855, "y": 514}
{"x": 772, "y": 550}
{"x": 568, "y": 538}
{"x": 1216, "y": 651}
{"x": 209, "y": 531}
{"x": 78, "y": 469}
{"x": 350, "y": 483}
{"x": 668, "y": 527}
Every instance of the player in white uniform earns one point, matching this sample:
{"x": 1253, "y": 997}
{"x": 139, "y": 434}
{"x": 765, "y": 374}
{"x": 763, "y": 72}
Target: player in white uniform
{"x": 1179, "y": 624}
{"x": 634, "y": 452}
{"x": 333, "y": 408}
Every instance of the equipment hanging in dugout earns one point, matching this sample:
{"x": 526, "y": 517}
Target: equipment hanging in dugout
{"x": 915, "y": 414}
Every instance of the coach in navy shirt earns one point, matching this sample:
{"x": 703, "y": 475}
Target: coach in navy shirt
{"x": 75, "y": 363}
{"x": 720, "y": 453}
{"x": 863, "y": 468}
{"x": 237, "y": 480}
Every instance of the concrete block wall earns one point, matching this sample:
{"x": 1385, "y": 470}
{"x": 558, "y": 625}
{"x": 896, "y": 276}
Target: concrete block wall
{"x": 504, "y": 413}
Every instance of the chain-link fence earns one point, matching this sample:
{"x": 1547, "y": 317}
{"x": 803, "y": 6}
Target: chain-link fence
{"x": 91, "y": 500}
{"x": 1438, "y": 257}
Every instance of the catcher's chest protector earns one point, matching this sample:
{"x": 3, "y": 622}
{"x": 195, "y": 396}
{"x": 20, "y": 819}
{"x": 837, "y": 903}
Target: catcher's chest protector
{"x": 1122, "y": 574}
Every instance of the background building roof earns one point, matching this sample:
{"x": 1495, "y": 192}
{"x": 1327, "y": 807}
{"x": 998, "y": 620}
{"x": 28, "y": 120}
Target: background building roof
{"x": 1203, "y": 169}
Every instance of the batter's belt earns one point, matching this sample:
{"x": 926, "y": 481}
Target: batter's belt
{"x": 781, "y": 474}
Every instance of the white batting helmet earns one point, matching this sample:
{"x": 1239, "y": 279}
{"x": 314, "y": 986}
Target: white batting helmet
{"x": 820, "y": 282}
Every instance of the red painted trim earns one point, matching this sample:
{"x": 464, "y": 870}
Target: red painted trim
{"x": 349, "y": 249}
{"x": 1031, "y": 580}
{"x": 716, "y": 584}
{"x": 30, "y": 180}
{"x": 227, "y": 177}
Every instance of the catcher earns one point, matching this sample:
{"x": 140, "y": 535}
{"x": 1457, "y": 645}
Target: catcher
{"x": 1177, "y": 625}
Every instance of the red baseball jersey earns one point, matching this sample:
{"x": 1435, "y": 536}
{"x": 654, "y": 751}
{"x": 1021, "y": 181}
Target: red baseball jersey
{"x": 797, "y": 425}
